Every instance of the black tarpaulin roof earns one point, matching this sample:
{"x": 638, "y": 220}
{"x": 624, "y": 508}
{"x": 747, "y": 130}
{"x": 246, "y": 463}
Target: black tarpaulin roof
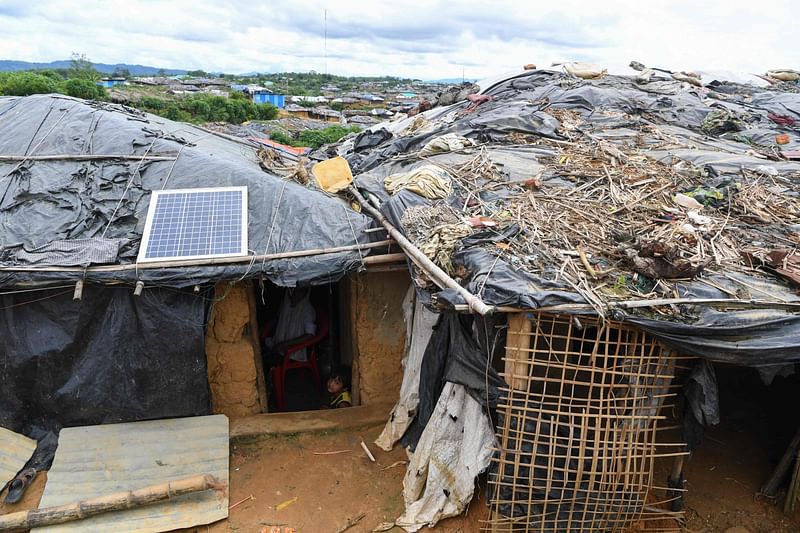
{"x": 69, "y": 202}
{"x": 563, "y": 166}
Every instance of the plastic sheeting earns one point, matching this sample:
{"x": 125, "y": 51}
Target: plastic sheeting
{"x": 110, "y": 357}
{"x": 46, "y": 201}
{"x": 448, "y": 388}
{"x": 613, "y": 109}
{"x": 455, "y": 447}
{"x": 455, "y": 355}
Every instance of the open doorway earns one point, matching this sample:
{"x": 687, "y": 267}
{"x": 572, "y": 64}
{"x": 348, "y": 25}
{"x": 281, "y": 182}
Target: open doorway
{"x": 300, "y": 338}
{"x": 728, "y": 469}
{"x": 364, "y": 338}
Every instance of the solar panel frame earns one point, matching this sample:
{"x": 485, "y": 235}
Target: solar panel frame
{"x": 156, "y": 243}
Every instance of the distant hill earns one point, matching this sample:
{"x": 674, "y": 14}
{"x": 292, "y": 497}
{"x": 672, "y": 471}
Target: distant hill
{"x": 7, "y": 65}
{"x": 451, "y": 81}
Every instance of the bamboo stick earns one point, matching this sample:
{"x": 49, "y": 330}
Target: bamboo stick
{"x": 794, "y": 487}
{"x": 770, "y": 488}
{"x": 385, "y": 258}
{"x": 225, "y": 136}
{"x": 436, "y": 274}
{"x": 635, "y": 304}
{"x": 86, "y": 157}
{"x": 112, "y": 502}
{"x": 518, "y": 351}
{"x": 203, "y": 262}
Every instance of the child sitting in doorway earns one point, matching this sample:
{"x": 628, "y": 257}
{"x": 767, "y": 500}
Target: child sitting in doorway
{"x": 339, "y": 388}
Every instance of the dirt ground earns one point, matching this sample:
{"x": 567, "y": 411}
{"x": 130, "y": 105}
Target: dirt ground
{"x": 294, "y": 486}
{"x": 723, "y": 478}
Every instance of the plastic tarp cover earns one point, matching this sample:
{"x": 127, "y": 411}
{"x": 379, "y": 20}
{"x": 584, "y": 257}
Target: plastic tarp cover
{"x": 455, "y": 447}
{"x": 419, "y": 328}
{"x": 48, "y": 201}
{"x": 451, "y": 435}
{"x": 110, "y": 357}
{"x": 455, "y": 355}
{"x": 753, "y": 337}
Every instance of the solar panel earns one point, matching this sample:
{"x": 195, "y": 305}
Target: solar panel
{"x": 195, "y": 224}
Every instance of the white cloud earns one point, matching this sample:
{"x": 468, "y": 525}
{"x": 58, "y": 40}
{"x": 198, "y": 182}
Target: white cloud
{"x": 428, "y": 39}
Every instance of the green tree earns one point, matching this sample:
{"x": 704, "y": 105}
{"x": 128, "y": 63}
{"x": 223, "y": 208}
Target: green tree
{"x": 173, "y": 112}
{"x": 81, "y": 88}
{"x": 81, "y": 67}
{"x": 151, "y": 103}
{"x": 317, "y": 138}
{"x": 121, "y": 72}
{"x": 197, "y": 74}
{"x": 53, "y": 74}
{"x": 26, "y": 83}
{"x": 266, "y": 112}
{"x": 280, "y": 137}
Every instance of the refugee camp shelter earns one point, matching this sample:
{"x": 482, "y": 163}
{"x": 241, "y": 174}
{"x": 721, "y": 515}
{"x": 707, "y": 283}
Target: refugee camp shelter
{"x": 95, "y": 329}
{"x": 633, "y": 237}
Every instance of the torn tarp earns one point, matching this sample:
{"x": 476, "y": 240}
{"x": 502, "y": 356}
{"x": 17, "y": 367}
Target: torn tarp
{"x": 454, "y": 449}
{"x": 453, "y": 355}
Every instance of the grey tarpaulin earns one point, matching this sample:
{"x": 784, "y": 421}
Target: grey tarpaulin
{"x": 455, "y": 447}
{"x": 43, "y": 201}
{"x": 75, "y": 252}
{"x": 110, "y": 357}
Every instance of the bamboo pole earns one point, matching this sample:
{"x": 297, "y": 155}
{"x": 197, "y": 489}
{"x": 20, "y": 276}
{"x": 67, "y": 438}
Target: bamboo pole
{"x": 794, "y": 488}
{"x": 255, "y": 340}
{"x": 635, "y": 304}
{"x": 437, "y": 275}
{"x": 518, "y": 352}
{"x": 227, "y": 137}
{"x": 770, "y": 488}
{"x": 86, "y": 157}
{"x": 204, "y": 262}
{"x": 104, "y": 504}
{"x": 385, "y": 258}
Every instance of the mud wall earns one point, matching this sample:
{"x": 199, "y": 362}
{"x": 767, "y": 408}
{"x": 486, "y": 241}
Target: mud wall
{"x": 232, "y": 374}
{"x": 378, "y": 334}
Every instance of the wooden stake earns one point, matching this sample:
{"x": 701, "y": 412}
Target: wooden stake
{"x": 518, "y": 351}
{"x": 351, "y": 522}
{"x": 255, "y": 340}
{"x": 794, "y": 488}
{"x": 112, "y": 502}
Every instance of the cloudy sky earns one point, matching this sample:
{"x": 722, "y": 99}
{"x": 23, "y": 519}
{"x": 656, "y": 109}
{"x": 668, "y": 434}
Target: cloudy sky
{"x": 424, "y": 39}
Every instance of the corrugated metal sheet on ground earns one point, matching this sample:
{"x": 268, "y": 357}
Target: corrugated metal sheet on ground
{"x": 15, "y": 450}
{"x": 100, "y": 460}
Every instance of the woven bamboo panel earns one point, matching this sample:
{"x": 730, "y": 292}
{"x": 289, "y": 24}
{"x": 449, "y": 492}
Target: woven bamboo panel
{"x": 578, "y": 429}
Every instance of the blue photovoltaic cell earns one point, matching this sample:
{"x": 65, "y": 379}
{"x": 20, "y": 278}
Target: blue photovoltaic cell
{"x": 195, "y": 224}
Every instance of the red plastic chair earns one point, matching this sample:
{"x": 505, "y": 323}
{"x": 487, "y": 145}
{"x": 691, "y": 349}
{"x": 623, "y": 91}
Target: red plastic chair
{"x": 279, "y": 371}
